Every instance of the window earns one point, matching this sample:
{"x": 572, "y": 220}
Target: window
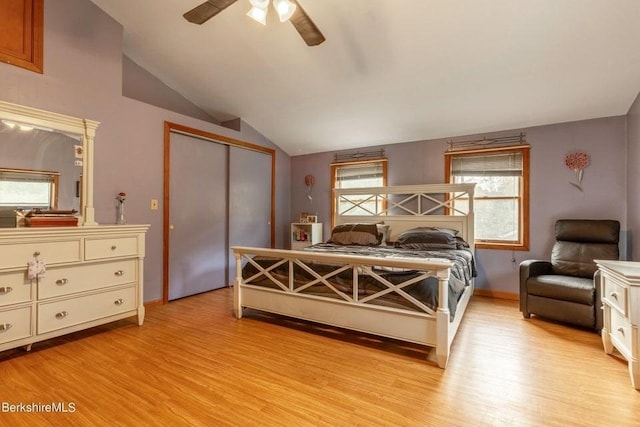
{"x": 501, "y": 201}
{"x": 362, "y": 174}
{"x": 28, "y": 189}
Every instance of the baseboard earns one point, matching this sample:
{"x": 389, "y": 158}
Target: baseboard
{"x": 153, "y": 303}
{"x": 496, "y": 294}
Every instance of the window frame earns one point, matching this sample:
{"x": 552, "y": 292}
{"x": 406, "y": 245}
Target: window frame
{"x": 522, "y": 243}
{"x": 334, "y": 176}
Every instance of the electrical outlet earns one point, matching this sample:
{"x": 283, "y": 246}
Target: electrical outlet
{"x": 154, "y": 204}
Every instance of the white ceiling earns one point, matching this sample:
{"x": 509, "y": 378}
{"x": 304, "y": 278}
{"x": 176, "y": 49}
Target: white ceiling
{"x": 394, "y": 71}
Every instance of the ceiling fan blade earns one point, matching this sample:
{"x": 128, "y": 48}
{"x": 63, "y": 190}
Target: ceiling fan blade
{"x": 207, "y": 10}
{"x": 305, "y": 26}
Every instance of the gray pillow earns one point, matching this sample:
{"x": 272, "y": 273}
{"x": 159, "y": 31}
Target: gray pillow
{"x": 356, "y": 234}
{"x": 427, "y": 238}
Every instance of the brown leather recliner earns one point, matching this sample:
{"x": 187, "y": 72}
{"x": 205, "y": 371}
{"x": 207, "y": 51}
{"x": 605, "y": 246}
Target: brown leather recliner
{"x": 567, "y": 289}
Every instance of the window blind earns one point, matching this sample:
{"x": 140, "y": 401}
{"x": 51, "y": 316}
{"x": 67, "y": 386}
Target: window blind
{"x": 490, "y": 164}
{"x": 359, "y": 172}
{"x": 27, "y": 176}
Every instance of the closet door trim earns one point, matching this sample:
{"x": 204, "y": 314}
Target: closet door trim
{"x": 169, "y": 128}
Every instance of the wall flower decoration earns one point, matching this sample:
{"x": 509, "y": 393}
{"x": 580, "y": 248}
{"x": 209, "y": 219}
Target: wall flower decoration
{"x": 577, "y": 162}
{"x": 309, "y": 181}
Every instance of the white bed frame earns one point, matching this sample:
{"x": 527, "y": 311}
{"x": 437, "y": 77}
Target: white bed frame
{"x": 406, "y": 207}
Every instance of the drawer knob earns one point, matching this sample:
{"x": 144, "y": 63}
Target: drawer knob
{"x": 114, "y": 247}
{"x": 5, "y": 289}
{"x": 614, "y": 295}
{"x": 119, "y": 273}
{"x": 61, "y": 315}
{"x": 621, "y": 330}
{"x": 62, "y": 282}
{"x": 119, "y": 301}
{"x": 5, "y": 326}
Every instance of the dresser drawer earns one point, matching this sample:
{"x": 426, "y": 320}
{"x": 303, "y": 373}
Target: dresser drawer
{"x": 74, "y": 311}
{"x": 18, "y": 254}
{"x": 15, "y": 324}
{"x": 14, "y": 288}
{"x": 110, "y": 248}
{"x": 621, "y": 333}
{"x": 67, "y": 280}
{"x": 615, "y": 293}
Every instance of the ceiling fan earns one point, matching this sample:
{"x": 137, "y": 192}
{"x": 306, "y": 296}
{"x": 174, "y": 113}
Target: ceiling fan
{"x": 292, "y": 10}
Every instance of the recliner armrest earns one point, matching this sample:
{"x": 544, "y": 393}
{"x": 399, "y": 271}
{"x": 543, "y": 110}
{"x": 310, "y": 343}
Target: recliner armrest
{"x": 534, "y": 267}
{"x": 529, "y": 268}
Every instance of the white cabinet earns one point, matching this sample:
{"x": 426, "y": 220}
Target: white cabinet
{"x": 621, "y": 304}
{"x": 94, "y": 275}
{"x": 305, "y": 234}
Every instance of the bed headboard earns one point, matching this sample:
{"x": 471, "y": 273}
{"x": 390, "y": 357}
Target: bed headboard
{"x": 408, "y": 206}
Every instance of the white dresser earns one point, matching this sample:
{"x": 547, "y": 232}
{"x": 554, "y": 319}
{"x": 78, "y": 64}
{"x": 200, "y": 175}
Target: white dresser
{"x": 94, "y": 275}
{"x": 621, "y": 304}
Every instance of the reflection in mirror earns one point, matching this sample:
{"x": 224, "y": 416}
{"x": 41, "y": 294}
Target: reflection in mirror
{"x": 50, "y": 151}
{"x": 39, "y": 168}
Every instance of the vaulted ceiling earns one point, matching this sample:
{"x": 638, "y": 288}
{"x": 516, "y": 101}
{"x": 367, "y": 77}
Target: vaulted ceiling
{"x": 393, "y": 71}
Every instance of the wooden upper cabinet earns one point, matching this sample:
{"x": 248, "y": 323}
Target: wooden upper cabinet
{"x": 21, "y": 37}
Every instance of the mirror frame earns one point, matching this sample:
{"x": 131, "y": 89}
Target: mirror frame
{"x": 60, "y": 122}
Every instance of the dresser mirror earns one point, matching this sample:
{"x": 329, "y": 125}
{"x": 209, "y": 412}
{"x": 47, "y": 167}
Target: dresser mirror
{"x": 46, "y": 161}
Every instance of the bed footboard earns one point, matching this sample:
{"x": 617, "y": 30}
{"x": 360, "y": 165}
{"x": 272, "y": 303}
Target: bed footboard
{"x": 356, "y": 310}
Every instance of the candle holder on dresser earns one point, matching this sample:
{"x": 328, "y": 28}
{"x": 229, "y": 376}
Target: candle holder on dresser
{"x": 120, "y": 198}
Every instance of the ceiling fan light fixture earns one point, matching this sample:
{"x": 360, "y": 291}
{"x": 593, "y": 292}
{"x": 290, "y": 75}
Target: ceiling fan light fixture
{"x": 284, "y": 8}
{"x": 9, "y": 124}
{"x": 258, "y": 14}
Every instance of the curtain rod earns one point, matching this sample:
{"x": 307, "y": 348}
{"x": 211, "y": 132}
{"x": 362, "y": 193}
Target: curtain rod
{"x": 358, "y": 155}
{"x": 485, "y": 142}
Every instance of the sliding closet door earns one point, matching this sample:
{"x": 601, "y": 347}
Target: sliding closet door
{"x": 249, "y": 201}
{"x": 197, "y": 216}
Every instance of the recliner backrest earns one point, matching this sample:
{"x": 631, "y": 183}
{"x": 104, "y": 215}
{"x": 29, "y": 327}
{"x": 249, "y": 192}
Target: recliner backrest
{"x": 580, "y": 241}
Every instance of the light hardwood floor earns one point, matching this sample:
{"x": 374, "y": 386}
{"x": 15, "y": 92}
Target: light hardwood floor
{"x": 192, "y": 363}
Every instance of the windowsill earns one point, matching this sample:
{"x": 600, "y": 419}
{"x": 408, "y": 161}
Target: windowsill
{"x": 502, "y": 246}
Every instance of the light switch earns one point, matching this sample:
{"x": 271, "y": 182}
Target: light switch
{"x": 154, "y": 204}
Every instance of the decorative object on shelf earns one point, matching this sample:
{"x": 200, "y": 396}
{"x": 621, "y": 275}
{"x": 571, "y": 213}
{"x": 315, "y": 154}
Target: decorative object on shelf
{"x": 120, "y": 198}
{"x": 312, "y": 218}
{"x": 309, "y": 181}
{"x": 304, "y": 217}
{"x": 51, "y": 218}
{"x": 577, "y": 162}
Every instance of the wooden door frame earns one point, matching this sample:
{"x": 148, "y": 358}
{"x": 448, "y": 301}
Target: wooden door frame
{"x": 170, "y": 127}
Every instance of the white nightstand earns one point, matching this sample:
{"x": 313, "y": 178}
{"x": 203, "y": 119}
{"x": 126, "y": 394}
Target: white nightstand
{"x": 621, "y": 304}
{"x": 305, "y": 234}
